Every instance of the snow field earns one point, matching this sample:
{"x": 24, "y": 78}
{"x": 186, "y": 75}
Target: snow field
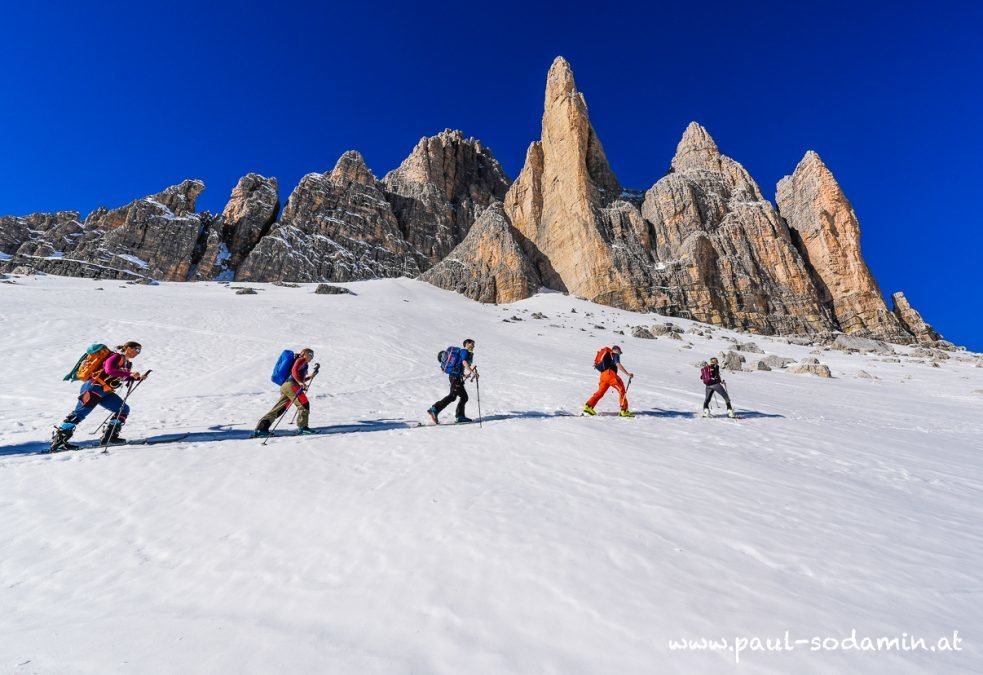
{"x": 537, "y": 544}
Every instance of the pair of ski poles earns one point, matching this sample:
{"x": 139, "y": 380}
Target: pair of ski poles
{"x": 113, "y": 418}
{"x": 304, "y": 388}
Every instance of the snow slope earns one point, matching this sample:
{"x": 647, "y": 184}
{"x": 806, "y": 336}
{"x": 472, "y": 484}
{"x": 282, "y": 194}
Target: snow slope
{"x": 537, "y": 544}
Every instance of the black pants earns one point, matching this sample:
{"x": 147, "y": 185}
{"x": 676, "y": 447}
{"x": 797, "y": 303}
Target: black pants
{"x": 719, "y": 389}
{"x": 457, "y": 391}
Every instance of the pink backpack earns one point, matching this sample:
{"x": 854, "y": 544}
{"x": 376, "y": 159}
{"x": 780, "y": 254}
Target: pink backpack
{"x": 706, "y": 374}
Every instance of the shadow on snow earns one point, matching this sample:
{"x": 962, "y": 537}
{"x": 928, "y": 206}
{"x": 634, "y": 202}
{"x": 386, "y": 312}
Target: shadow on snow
{"x": 214, "y": 434}
{"x": 223, "y": 433}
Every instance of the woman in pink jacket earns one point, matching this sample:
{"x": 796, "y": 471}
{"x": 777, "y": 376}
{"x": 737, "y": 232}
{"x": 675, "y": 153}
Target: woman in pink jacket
{"x": 100, "y": 390}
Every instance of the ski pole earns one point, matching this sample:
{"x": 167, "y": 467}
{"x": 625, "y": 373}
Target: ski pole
{"x": 99, "y": 428}
{"x": 317, "y": 368}
{"x": 111, "y": 415}
{"x": 477, "y": 386}
{"x": 115, "y": 416}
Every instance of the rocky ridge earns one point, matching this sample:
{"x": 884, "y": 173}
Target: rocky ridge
{"x": 438, "y": 192}
{"x": 726, "y": 255}
{"x": 701, "y": 243}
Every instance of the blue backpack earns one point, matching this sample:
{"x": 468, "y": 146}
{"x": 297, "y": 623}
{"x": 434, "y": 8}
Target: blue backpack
{"x": 284, "y": 364}
{"x": 451, "y": 359}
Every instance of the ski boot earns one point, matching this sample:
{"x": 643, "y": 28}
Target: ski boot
{"x": 463, "y": 419}
{"x": 59, "y": 440}
{"x": 305, "y": 431}
{"x": 730, "y": 413}
{"x": 111, "y": 435}
{"x": 627, "y": 413}
{"x": 433, "y": 414}
{"x": 706, "y": 412}
{"x": 588, "y": 410}
{"x": 262, "y": 430}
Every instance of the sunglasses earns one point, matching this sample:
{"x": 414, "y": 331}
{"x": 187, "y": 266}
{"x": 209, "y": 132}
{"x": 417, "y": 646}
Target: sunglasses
{"x": 137, "y": 349}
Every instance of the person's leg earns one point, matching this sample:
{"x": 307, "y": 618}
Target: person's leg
{"x": 706, "y": 401}
{"x": 462, "y": 399}
{"x": 303, "y": 410}
{"x": 113, "y": 403}
{"x": 619, "y": 385}
{"x": 87, "y": 402}
{"x": 269, "y": 418}
{"x": 602, "y": 387}
{"x": 447, "y": 400}
{"x": 722, "y": 390}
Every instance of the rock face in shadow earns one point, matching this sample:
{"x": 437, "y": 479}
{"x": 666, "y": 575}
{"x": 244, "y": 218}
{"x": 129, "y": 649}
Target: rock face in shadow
{"x": 913, "y": 322}
{"x": 726, "y": 255}
{"x": 40, "y": 234}
{"x": 439, "y": 191}
{"x": 249, "y": 214}
{"x": 336, "y": 226}
{"x": 827, "y": 234}
{"x": 159, "y": 236}
{"x": 489, "y": 265}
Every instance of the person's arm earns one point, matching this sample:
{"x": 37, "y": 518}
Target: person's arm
{"x": 625, "y": 370}
{"x": 112, "y": 368}
{"x": 468, "y": 370}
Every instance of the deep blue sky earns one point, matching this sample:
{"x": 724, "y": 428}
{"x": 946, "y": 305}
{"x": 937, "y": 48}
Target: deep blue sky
{"x": 106, "y": 103}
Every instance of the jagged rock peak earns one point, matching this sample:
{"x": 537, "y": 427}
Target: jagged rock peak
{"x": 252, "y": 209}
{"x": 559, "y": 81}
{"x": 439, "y": 190}
{"x": 336, "y": 226}
{"x": 811, "y": 163}
{"x": 696, "y": 150}
{"x": 252, "y": 188}
{"x": 490, "y": 264}
{"x": 569, "y": 137}
{"x": 826, "y": 231}
{"x": 452, "y": 163}
{"x": 181, "y": 198}
{"x": 729, "y": 258}
{"x": 351, "y": 168}
{"x": 812, "y": 157}
{"x": 912, "y": 320}
{"x": 565, "y": 203}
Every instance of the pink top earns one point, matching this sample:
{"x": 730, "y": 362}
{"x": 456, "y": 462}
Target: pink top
{"x": 117, "y": 366}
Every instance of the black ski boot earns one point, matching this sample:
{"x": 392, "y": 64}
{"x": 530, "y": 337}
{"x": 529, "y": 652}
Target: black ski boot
{"x": 262, "y": 430}
{"x": 111, "y": 435}
{"x": 59, "y": 440}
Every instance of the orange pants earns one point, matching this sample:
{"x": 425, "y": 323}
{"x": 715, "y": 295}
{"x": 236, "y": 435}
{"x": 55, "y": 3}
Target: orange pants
{"x": 609, "y": 378}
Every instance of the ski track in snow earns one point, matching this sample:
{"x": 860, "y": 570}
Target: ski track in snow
{"x": 541, "y": 543}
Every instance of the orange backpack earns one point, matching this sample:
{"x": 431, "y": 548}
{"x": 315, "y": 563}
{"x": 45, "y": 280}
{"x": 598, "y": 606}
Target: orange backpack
{"x": 599, "y": 359}
{"x": 91, "y": 362}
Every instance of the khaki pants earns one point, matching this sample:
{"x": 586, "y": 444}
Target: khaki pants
{"x": 290, "y": 392}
